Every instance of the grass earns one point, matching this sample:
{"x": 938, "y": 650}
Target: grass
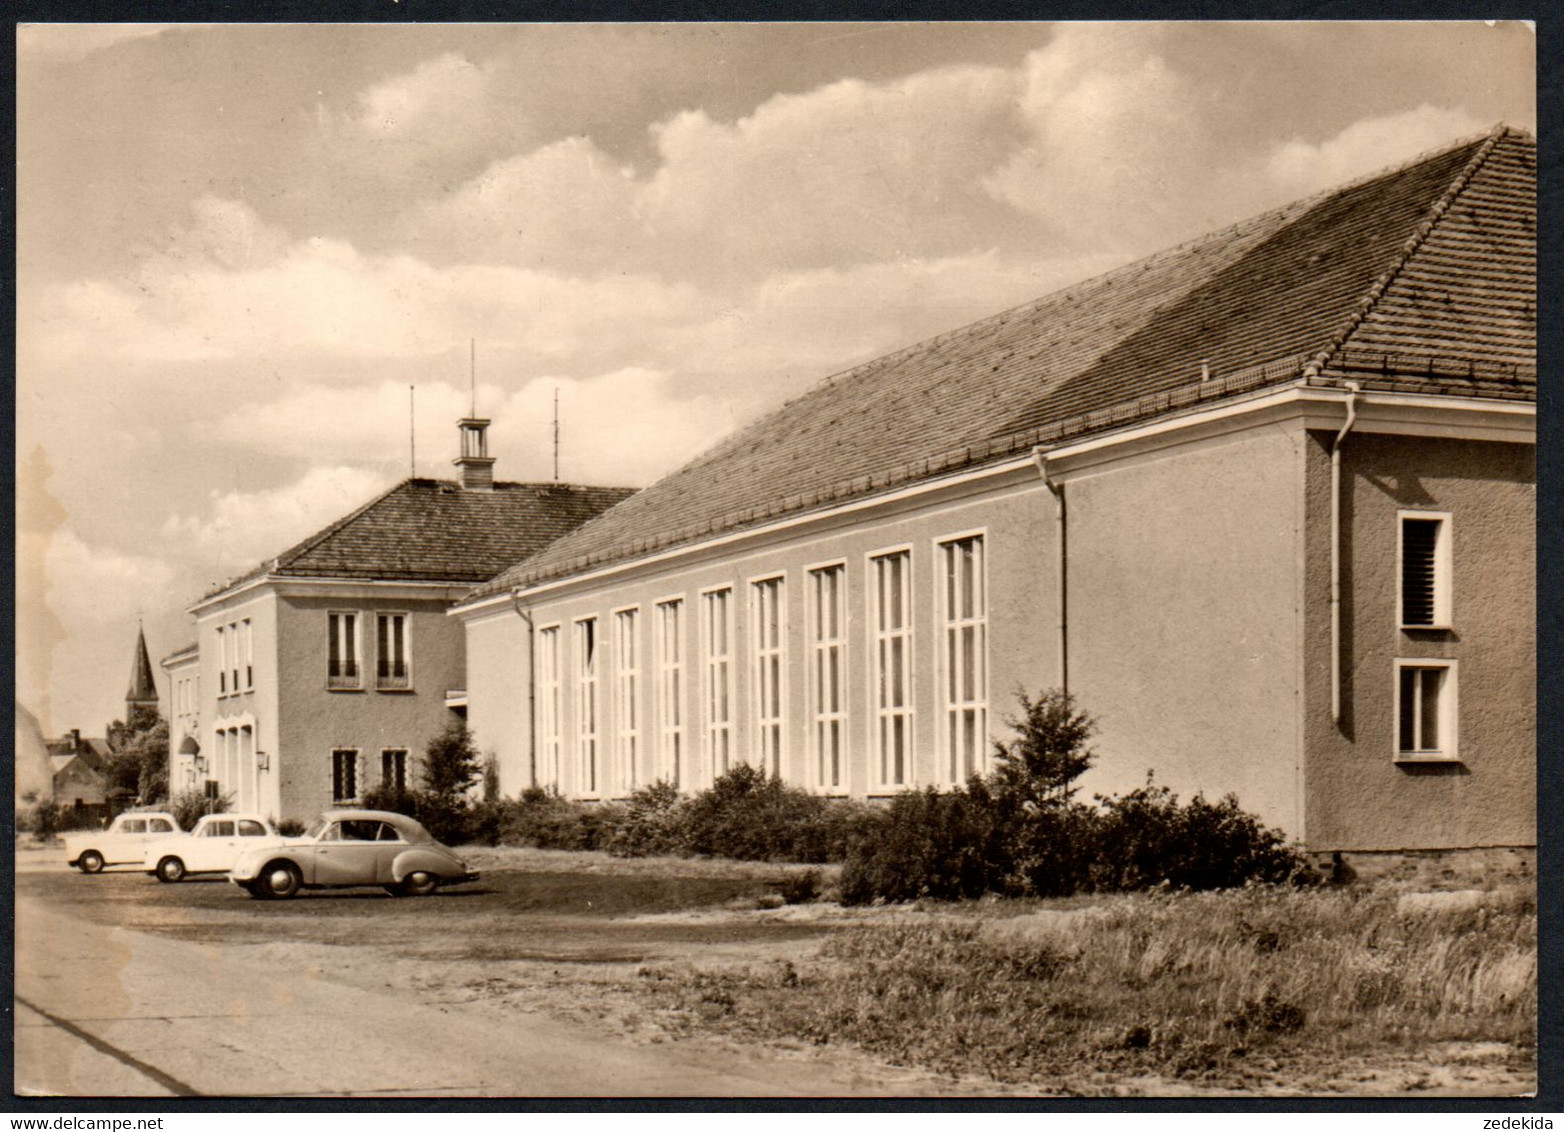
{"x": 1214, "y": 987}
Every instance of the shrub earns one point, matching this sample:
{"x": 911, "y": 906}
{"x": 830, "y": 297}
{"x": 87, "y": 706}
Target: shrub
{"x": 189, "y": 806}
{"x": 927, "y": 844}
{"x": 750, "y": 816}
{"x": 653, "y": 823}
{"x": 291, "y": 827}
{"x": 800, "y": 887}
{"x": 1146, "y": 838}
{"x": 1040, "y": 765}
{"x": 543, "y": 819}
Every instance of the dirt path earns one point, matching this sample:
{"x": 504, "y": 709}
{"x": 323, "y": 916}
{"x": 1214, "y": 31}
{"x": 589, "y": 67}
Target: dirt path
{"x": 104, "y": 1010}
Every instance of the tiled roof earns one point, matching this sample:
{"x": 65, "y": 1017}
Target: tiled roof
{"x": 1426, "y": 272}
{"x": 434, "y": 530}
{"x": 95, "y": 753}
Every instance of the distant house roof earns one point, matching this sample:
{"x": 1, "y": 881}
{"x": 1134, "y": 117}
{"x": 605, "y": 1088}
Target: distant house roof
{"x": 94, "y": 753}
{"x": 433, "y": 530}
{"x": 1421, "y": 278}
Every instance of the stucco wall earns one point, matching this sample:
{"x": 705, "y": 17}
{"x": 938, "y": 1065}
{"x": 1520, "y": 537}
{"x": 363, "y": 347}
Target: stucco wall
{"x": 252, "y": 789}
{"x": 1358, "y": 796}
{"x": 1184, "y": 592}
{"x": 1017, "y": 522}
{"x": 497, "y": 711}
{"x": 316, "y": 720}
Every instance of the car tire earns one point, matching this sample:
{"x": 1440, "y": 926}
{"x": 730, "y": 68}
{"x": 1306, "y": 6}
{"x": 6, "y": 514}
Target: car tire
{"x": 279, "y": 880}
{"x": 171, "y": 870}
{"x": 90, "y": 862}
{"x": 419, "y": 883}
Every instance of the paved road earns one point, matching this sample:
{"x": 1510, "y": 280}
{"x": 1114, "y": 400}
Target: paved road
{"x": 105, "y": 1011}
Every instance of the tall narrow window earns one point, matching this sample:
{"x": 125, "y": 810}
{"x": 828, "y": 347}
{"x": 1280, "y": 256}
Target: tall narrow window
{"x": 222, "y": 662}
{"x": 344, "y": 775}
{"x": 233, "y": 655}
{"x": 670, "y": 690}
{"x": 342, "y": 653}
{"x": 1425, "y": 570}
{"x": 1426, "y": 709}
{"x": 828, "y": 675}
{"x": 548, "y": 705}
{"x": 247, "y": 635}
{"x": 393, "y": 770}
{"x": 627, "y": 696}
{"x": 718, "y": 630}
{"x": 892, "y": 656}
{"x": 769, "y": 636}
{"x": 392, "y": 666}
{"x": 586, "y": 705}
{"x": 964, "y": 678}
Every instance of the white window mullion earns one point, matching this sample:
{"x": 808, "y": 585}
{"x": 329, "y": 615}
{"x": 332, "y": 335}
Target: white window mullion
{"x": 768, "y": 636}
{"x": 627, "y": 721}
{"x": 670, "y": 690}
{"x": 827, "y": 676}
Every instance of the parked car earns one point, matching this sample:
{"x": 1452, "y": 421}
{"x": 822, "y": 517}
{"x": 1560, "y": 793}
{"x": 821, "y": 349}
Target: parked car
{"x": 122, "y": 843}
{"x": 216, "y": 842}
{"x": 350, "y": 849}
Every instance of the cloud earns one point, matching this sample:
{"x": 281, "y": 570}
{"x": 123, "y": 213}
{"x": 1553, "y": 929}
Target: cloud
{"x": 88, "y": 584}
{"x": 238, "y": 529}
{"x": 1299, "y": 167}
{"x": 428, "y": 104}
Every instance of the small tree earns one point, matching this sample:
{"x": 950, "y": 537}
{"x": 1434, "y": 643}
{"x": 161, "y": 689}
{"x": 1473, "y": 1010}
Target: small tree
{"x": 452, "y": 764}
{"x": 1040, "y": 765}
{"x": 138, "y": 766}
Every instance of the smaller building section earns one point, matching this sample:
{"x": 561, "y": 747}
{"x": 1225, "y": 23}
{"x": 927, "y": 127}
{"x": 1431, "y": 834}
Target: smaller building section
{"x": 80, "y": 770}
{"x": 322, "y": 674}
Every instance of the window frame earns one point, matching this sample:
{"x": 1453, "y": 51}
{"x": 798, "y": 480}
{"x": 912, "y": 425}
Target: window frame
{"x": 669, "y": 676}
{"x": 1449, "y": 711}
{"x": 814, "y": 682}
{"x": 710, "y": 727}
{"x": 627, "y": 696}
{"x": 247, "y": 639}
{"x": 386, "y": 762}
{"x": 354, "y": 683}
{"x": 551, "y": 702}
{"x": 390, "y": 683}
{"x": 587, "y": 672}
{"x": 1444, "y": 555}
{"x": 758, "y": 684}
{"x": 336, "y": 798}
{"x": 882, "y": 784}
{"x": 945, "y": 623}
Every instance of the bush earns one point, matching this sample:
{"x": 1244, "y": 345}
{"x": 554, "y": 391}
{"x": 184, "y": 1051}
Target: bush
{"x": 291, "y": 827}
{"x": 1019, "y": 831}
{"x": 926, "y": 844}
{"x": 543, "y": 819}
{"x": 750, "y": 816}
{"x": 1146, "y": 838}
{"x": 653, "y": 823}
{"x": 189, "y": 806}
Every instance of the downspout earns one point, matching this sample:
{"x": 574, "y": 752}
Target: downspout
{"x": 532, "y": 692}
{"x": 1353, "y": 389}
{"x": 1040, "y": 458}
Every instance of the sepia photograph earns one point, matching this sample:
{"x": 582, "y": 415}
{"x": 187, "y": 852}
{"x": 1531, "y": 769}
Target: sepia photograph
{"x": 799, "y": 560}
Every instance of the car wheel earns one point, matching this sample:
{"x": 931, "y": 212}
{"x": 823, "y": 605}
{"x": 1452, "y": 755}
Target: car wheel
{"x": 90, "y": 862}
{"x": 171, "y": 870}
{"x": 280, "y": 880}
{"x": 419, "y": 883}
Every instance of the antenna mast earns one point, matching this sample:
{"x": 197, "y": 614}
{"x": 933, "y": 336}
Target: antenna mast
{"x": 472, "y": 346}
{"x": 556, "y": 434}
{"x": 412, "y": 437}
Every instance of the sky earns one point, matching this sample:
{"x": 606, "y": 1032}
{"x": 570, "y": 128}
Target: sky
{"x": 255, "y": 263}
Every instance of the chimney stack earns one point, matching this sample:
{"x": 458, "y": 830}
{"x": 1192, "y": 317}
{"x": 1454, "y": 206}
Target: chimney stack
{"x": 75, "y": 739}
{"x": 475, "y": 462}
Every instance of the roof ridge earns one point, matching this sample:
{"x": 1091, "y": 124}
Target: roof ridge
{"x": 1409, "y": 248}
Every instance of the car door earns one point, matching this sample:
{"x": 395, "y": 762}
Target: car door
{"x": 347, "y": 853}
{"x": 124, "y": 842}
{"x": 251, "y": 835}
{"x": 215, "y": 845}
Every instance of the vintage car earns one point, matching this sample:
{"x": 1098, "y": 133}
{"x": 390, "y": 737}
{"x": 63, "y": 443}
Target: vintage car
{"x": 216, "y": 842}
{"x": 349, "y": 849}
{"x": 122, "y": 843}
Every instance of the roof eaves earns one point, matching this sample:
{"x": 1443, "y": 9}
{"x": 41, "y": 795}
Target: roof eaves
{"x": 1322, "y": 358}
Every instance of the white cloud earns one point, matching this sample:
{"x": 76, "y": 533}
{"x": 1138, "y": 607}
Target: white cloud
{"x": 238, "y": 529}
{"x": 89, "y": 584}
{"x": 1299, "y": 167}
{"x": 430, "y": 104}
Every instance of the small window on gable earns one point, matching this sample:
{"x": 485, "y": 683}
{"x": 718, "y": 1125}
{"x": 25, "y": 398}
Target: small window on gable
{"x": 1425, "y": 570}
{"x": 1426, "y": 710}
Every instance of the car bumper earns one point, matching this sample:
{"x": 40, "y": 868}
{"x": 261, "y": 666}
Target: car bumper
{"x": 466, "y": 878}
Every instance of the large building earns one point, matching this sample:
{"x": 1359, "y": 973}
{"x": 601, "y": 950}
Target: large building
{"x": 324, "y": 672}
{"x": 1263, "y": 503}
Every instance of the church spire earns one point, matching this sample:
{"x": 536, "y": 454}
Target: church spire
{"x": 142, "y": 698}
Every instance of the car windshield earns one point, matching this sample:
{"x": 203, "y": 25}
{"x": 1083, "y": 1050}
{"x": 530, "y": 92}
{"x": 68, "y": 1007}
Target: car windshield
{"x": 317, "y": 827}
